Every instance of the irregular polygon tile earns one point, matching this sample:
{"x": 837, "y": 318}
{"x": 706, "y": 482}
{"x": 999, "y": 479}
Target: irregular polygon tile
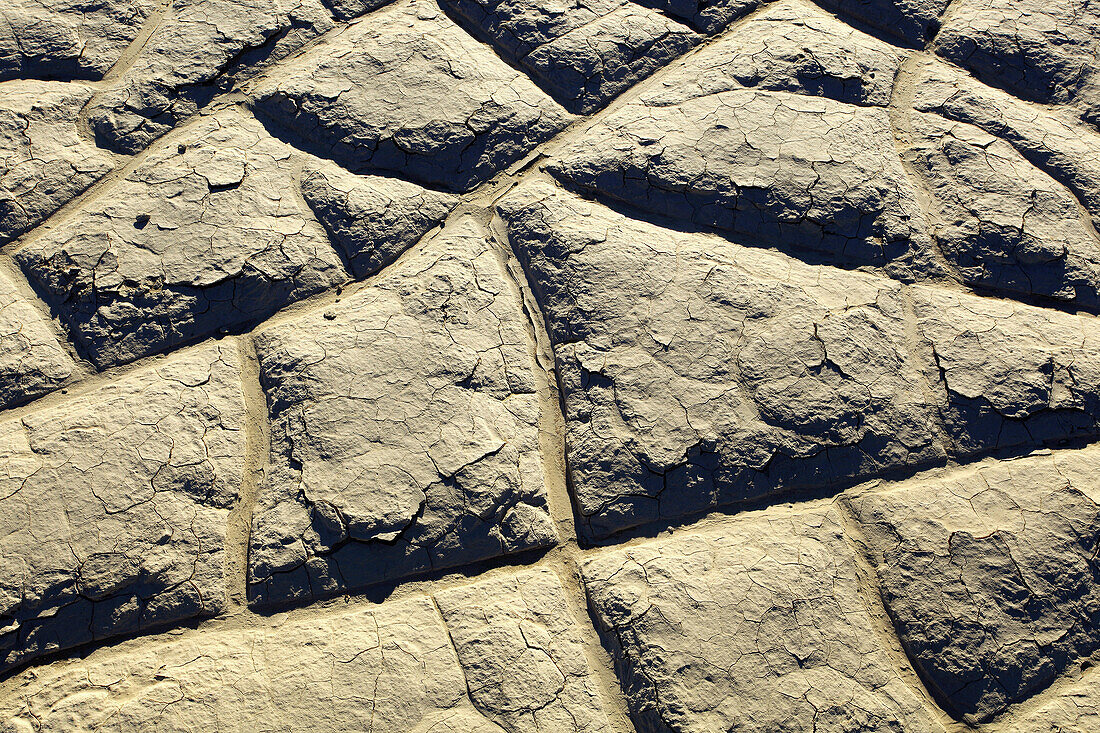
{"x": 753, "y": 625}
{"x": 408, "y": 91}
{"x": 44, "y": 163}
{"x": 697, "y": 373}
{"x": 405, "y": 430}
{"x": 913, "y": 21}
{"x": 67, "y": 39}
{"x": 788, "y": 47}
{"x": 199, "y": 48}
{"x": 522, "y": 654}
{"x": 1012, "y": 374}
{"x": 373, "y": 219}
{"x": 1068, "y": 152}
{"x": 990, "y": 575}
{"x": 583, "y": 53}
{"x": 781, "y": 169}
{"x": 206, "y": 233}
{"x": 114, "y": 505}
{"x": 32, "y": 362}
{"x": 1045, "y": 51}
{"x": 709, "y": 16}
{"x": 391, "y": 669}
{"x": 1006, "y": 225}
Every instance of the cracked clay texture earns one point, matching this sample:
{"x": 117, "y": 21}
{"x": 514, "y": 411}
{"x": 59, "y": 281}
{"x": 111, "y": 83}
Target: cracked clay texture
{"x": 550, "y": 366}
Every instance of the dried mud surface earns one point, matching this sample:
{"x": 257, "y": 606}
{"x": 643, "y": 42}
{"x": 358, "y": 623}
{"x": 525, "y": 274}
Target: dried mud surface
{"x": 508, "y": 366}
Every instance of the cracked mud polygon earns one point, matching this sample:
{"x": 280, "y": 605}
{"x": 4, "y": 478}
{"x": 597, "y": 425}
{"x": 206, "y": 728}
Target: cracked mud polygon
{"x": 550, "y": 366}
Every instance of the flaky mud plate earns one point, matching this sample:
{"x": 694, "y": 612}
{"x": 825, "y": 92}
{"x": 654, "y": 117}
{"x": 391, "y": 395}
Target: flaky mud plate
{"x": 550, "y": 366}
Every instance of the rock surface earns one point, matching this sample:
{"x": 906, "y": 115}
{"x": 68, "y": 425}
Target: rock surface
{"x": 371, "y": 218}
{"x": 1044, "y": 51}
{"x": 789, "y": 48}
{"x": 1009, "y": 374}
{"x": 756, "y": 625}
{"x": 45, "y": 162}
{"x": 709, "y": 16}
{"x": 726, "y": 161}
{"x": 32, "y": 361}
{"x": 67, "y": 39}
{"x": 1064, "y": 150}
{"x": 583, "y": 54}
{"x": 391, "y": 669}
{"x": 206, "y": 233}
{"x": 698, "y": 373}
{"x": 1004, "y": 224}
{"x": 990, "y": 575}
{"x": 404, "y": 430}
{"x": 199, "y": 48}
{"x": 1076, "y": 709}
{"x": 371, "y": 364}
{"x": 912, "y": 21}
{"x": 113, "y": 508}
{"x": 524, "y": 660}
{"x": 411, "y": 93}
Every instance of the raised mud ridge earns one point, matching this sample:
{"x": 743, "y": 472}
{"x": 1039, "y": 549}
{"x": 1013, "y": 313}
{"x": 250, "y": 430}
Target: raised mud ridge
{"x": 550, "y": 366}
